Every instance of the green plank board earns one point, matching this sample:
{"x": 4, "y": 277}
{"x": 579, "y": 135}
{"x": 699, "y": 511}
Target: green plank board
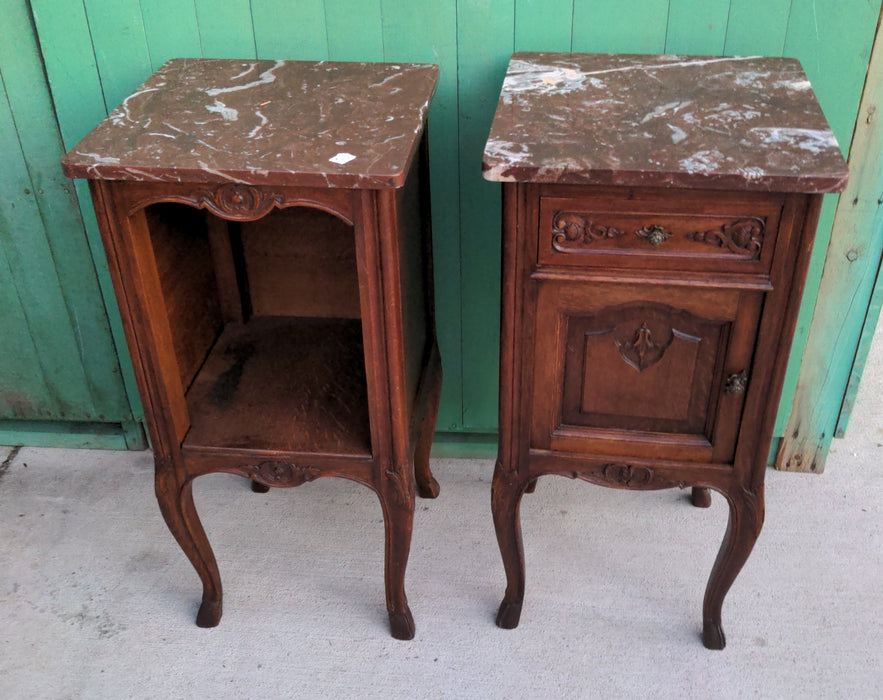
{"x": 292, "y": 30}
{"x": 757, "y": 27}
{"x": 697, "y": 27}
{"x": 419, "y": 32}
{"x": 171, "y": 30}
{"x": 70, "y": 65}
{"x": 852, "y": 261}
{"x": 72, "y": 70}
{"x": 23, "y": 392}
{"x": 611, "y": 26}
{"x": 225, "y": 28}
{"x": 485, "y": 40}
{"x": 70, "y": 435}
{"x": 355, "y": 30}
{"x": 817, "y": 35}
{"x": 33, "y": 277}
{"x": 543, "y": 25}
{"x": 117, "y": 31}
{"x": 60, "y": 224}
{"x": 864, "y": 344}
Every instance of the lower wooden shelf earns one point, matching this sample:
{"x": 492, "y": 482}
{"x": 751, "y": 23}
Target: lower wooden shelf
{"x": 283, "y": 383}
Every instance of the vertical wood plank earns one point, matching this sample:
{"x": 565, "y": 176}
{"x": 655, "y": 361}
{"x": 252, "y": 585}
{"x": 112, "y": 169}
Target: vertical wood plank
{"x": 851, "y": 268}
{"x": 757, "y": 27}
{"x": 72, "y": 70}
{"x": 293, "y": 30}
{"x": 611, "y": 26}
{"x": 415, "y": 31}
{"x": 355, "y": 30}
{"x": 70, "y": 66}
{"x": 697, "y": 27}
{"x": 171, "y": 30}
{"x": 543, "y": 25}
{"x": 225, "y": 28}
{"x": 59, "y": 224}
{"x": 861, "y": 354}
{"x": 120, "y": 45}
{"x": 32, "y": 276}
{"x": 817, "y": 35}
{"x": 485, "y": 41}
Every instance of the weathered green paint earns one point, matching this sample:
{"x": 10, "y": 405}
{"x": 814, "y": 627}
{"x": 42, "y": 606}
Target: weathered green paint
{"x": 485, "y": 41}
{"x": 73, "y": 435}
{"x": 354, "y": 29}
{"x": 697, "y": 27}
{"x": 543, "y": 25}
{"x": 746, "y": 36}
{"x": 427, "y": 32}
{"x": 851, "y": 272}
{"x": 59, "y": 361}
{"x": 285, "y": 29}
{"x": 610, "y": 26}
{"x": 97, "y": 51}
{"x": 861, "y": 352}
{"x": 225, "y": 28}
{"x": 833, "y": 42}
{"x": 171, "y": 30}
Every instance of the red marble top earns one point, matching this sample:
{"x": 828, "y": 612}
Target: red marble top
{"x": 298, "y": 123}
{"x": 743, "y": 123}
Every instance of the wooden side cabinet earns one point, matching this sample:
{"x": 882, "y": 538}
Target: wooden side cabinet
{"x": 267, "y": 230}
{"x": 658, "y": 218}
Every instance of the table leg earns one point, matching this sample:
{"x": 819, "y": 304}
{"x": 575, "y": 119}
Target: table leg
{"x": 397, "y": 502}
{"x": 427, "y": 486}
{"x": 176, "y": 504}
{"x": 745, "y": 523}
{"x": 506, "y": 493}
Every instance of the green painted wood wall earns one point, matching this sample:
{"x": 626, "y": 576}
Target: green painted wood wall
{"x": 96, "y": 52}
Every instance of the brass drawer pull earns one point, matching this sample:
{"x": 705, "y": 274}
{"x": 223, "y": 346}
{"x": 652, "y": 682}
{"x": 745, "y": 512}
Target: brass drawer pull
{"x": 654, "y": 234}
{"x": 737, "y": 383}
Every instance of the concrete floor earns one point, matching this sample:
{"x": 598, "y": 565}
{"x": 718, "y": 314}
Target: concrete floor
{"x": 97, "y": 601}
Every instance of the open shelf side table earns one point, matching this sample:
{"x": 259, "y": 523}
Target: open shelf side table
{"x": 658, "y": 218}
{"x": 267, "y": 230}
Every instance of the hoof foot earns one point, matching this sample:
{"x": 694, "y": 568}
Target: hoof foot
{"x": 429, "y": 490}
{"x": 701, "y": 497}
{"x": 508, "y": 615}
{"x": 713, "y": 635}
{"x": 258, "y": 487}
{"x": 401, "y": 625}
{"x": 209, "y": 614}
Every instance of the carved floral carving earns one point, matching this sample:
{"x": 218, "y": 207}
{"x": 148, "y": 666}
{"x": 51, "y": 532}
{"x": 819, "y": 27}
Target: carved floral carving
{"x": 272, "y": 473}
{"x": 571, "y": 231}
{"x": 744, "y": 237}
{"x": 240, "y": 202}
{"x": 626, "y": 476}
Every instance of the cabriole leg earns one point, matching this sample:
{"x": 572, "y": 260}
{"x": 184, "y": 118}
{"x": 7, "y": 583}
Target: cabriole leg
{"x": 397, "y": 501}
{"x": 176, "y": 504}
{"x": 506, "y": 495}
{"x": 745, "y": 523}
{"x": 427, "y": 486}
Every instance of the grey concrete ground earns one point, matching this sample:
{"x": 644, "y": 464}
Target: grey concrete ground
{"x": 97, "y": 601}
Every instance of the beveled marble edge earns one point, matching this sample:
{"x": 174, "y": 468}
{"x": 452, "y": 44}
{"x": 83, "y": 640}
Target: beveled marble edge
{"x": 120, "y": 171}
{"x": 807, "y": 183}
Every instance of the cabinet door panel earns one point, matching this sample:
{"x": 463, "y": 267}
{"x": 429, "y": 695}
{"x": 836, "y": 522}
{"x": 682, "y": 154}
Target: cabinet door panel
{"x": 641, "y": 369}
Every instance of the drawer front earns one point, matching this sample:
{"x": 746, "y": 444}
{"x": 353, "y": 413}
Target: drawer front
{"x": 650, "y": 371}
{"x": 703, "y": 231}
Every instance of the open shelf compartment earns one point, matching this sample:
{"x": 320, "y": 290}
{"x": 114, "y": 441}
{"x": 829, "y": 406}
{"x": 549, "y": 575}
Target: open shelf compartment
{"x": 266, "y": 328}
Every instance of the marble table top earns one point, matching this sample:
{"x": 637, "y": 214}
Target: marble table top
{"x": 325, "y": 124}
{"x": 744, "y": 123}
